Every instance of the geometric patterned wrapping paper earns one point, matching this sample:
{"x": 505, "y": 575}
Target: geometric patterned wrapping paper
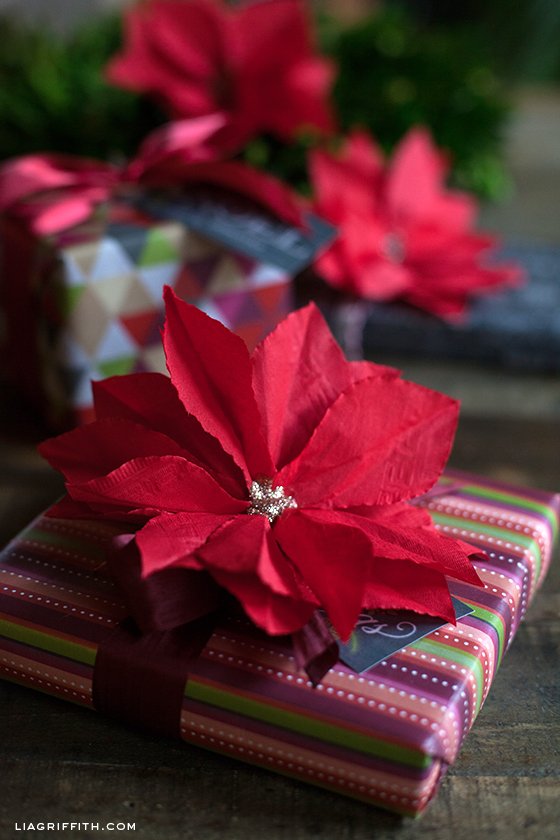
{"x": 96, "y": 306}
{"x": 385, "y": 736}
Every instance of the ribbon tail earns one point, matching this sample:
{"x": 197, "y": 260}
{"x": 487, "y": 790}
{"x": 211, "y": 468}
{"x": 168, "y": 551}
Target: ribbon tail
{"x": 315, "y": 648}
{"x": 140, "y": 679}
{"x": 165, "y": 599}
{"x": 142, "y": 667}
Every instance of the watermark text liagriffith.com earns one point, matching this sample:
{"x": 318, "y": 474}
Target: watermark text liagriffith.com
{"x": 75, "y": 826}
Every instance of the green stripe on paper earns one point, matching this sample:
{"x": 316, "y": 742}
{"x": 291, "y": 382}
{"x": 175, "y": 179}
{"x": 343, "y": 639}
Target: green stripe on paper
{"x": 505, "y": 535}
{"x": 358, "y": 741}
{"x": 65, "y": 541}
{"x": 43, "y": 641}
{"x": 469, "y": 660}
{"x": 521, "y": 502}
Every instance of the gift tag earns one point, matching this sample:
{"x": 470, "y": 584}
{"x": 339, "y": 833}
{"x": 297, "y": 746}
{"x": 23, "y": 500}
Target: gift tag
{"x": 240, "y": 224}
{"x": 378, "y": 634}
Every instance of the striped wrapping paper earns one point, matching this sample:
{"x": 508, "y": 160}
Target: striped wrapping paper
{"x": 385, "y": 736}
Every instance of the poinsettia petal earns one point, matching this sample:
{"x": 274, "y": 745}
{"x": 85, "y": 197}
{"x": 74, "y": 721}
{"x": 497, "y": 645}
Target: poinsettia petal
{"x": 165, "y": 483}
{"x": 151, "y": 400}
{"x": 98, "y": 448}
{"x": 333, "y": 557}
{"x": 298, "y": 372}
{"x": 403, "y": 585}
{"x": 243, "y": 557}
{"x": 382, "y": 441}
{"x": 276, "y": 614}
{"x": 402, "y": 531}
{"x": 246, "y": 545}
{"x": 211, "y": 369}
{"x": 415, "y": 186}
{"x": 280, "y": 90}
{"x": 171, "y": 538}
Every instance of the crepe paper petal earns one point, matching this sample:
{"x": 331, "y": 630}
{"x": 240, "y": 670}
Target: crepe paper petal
{"x": 243, "y": 557}
{"x": 403, "y": 585}
{"x": 237, "y": 545}
{"x": 276, "y": 614}
{"x": 165, "y": 483}
{"x": 68, "y": 508}
{"x": 211, "y": 369}
{"x": 308, "y": 371}
{"x": 247, "y": 544}
{"x": 151, "y": 400}
{"x": 403, "y": 532}
{"x": 169, "y": 539}
{"x": 98, "y": 448}
{"x": 315, "y": 542}
{"x": 165, "y": 599}
{"x": 381, "y": 442}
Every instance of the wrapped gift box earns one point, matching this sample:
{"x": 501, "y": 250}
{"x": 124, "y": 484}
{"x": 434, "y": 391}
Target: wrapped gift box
{"x": 516, "y": 328}
{"x": 385, "y": 736}
{"x": 87, "y": 303}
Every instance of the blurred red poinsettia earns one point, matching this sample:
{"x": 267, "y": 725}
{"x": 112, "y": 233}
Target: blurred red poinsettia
{"x": 402, "y": 233}
{"x": 255, "y": 62}
{"x": 323, "y": 453}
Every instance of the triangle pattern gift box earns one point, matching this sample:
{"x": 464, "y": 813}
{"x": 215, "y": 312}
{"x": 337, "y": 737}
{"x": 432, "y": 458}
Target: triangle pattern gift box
{"x": 384, "y": 736}
{"x": 89, "y": 300}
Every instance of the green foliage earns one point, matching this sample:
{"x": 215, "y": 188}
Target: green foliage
{"x": 53, "y": 96}
{"x": 394, "y": 74}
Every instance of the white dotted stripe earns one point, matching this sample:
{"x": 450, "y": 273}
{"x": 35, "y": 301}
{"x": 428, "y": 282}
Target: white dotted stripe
{"x": 536, "y": 529}
{"x": 299, "y": 763}
{"x": 94, "y": 532}
{"x": 100, "y": 603}
{"x": 47, "y": 548}
{"x": 93, "y": 574}
{"x": 59, "y": 605}
{"x": 392, "y": 705}
{"x": 43, "y": 681}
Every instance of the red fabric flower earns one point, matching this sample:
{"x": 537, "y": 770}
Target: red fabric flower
{"x": 322, "y": 452}
{"x": 402, "y": 234}
{"x": 255, "y": 62}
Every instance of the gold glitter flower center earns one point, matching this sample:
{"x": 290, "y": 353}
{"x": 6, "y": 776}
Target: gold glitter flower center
{"x": 269, "y": 501}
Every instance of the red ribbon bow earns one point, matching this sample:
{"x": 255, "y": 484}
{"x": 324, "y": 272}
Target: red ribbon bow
{"x": 54, "y": 192}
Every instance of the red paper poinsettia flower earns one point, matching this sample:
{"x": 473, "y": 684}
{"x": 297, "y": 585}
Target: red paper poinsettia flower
{"x": 255, "y": 62}
{"x": 284, "y": 474}
{"x": 402, "y": 233}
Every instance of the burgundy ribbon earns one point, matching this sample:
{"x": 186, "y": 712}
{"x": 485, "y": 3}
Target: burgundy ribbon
{"x": 142, "y": 667}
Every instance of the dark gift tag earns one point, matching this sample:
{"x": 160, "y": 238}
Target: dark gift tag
{"x": 240, "y": 224}
{"x": 379, "y": 634}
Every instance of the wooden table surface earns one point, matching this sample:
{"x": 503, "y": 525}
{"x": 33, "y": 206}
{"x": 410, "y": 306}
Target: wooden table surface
{"x": 60, "y": 763}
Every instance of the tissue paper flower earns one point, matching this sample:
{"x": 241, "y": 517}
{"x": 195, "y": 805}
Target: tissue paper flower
{"x": 284, "y": 474}
{"x": 402, "y": 233}
{"x": 255, "y": 62}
